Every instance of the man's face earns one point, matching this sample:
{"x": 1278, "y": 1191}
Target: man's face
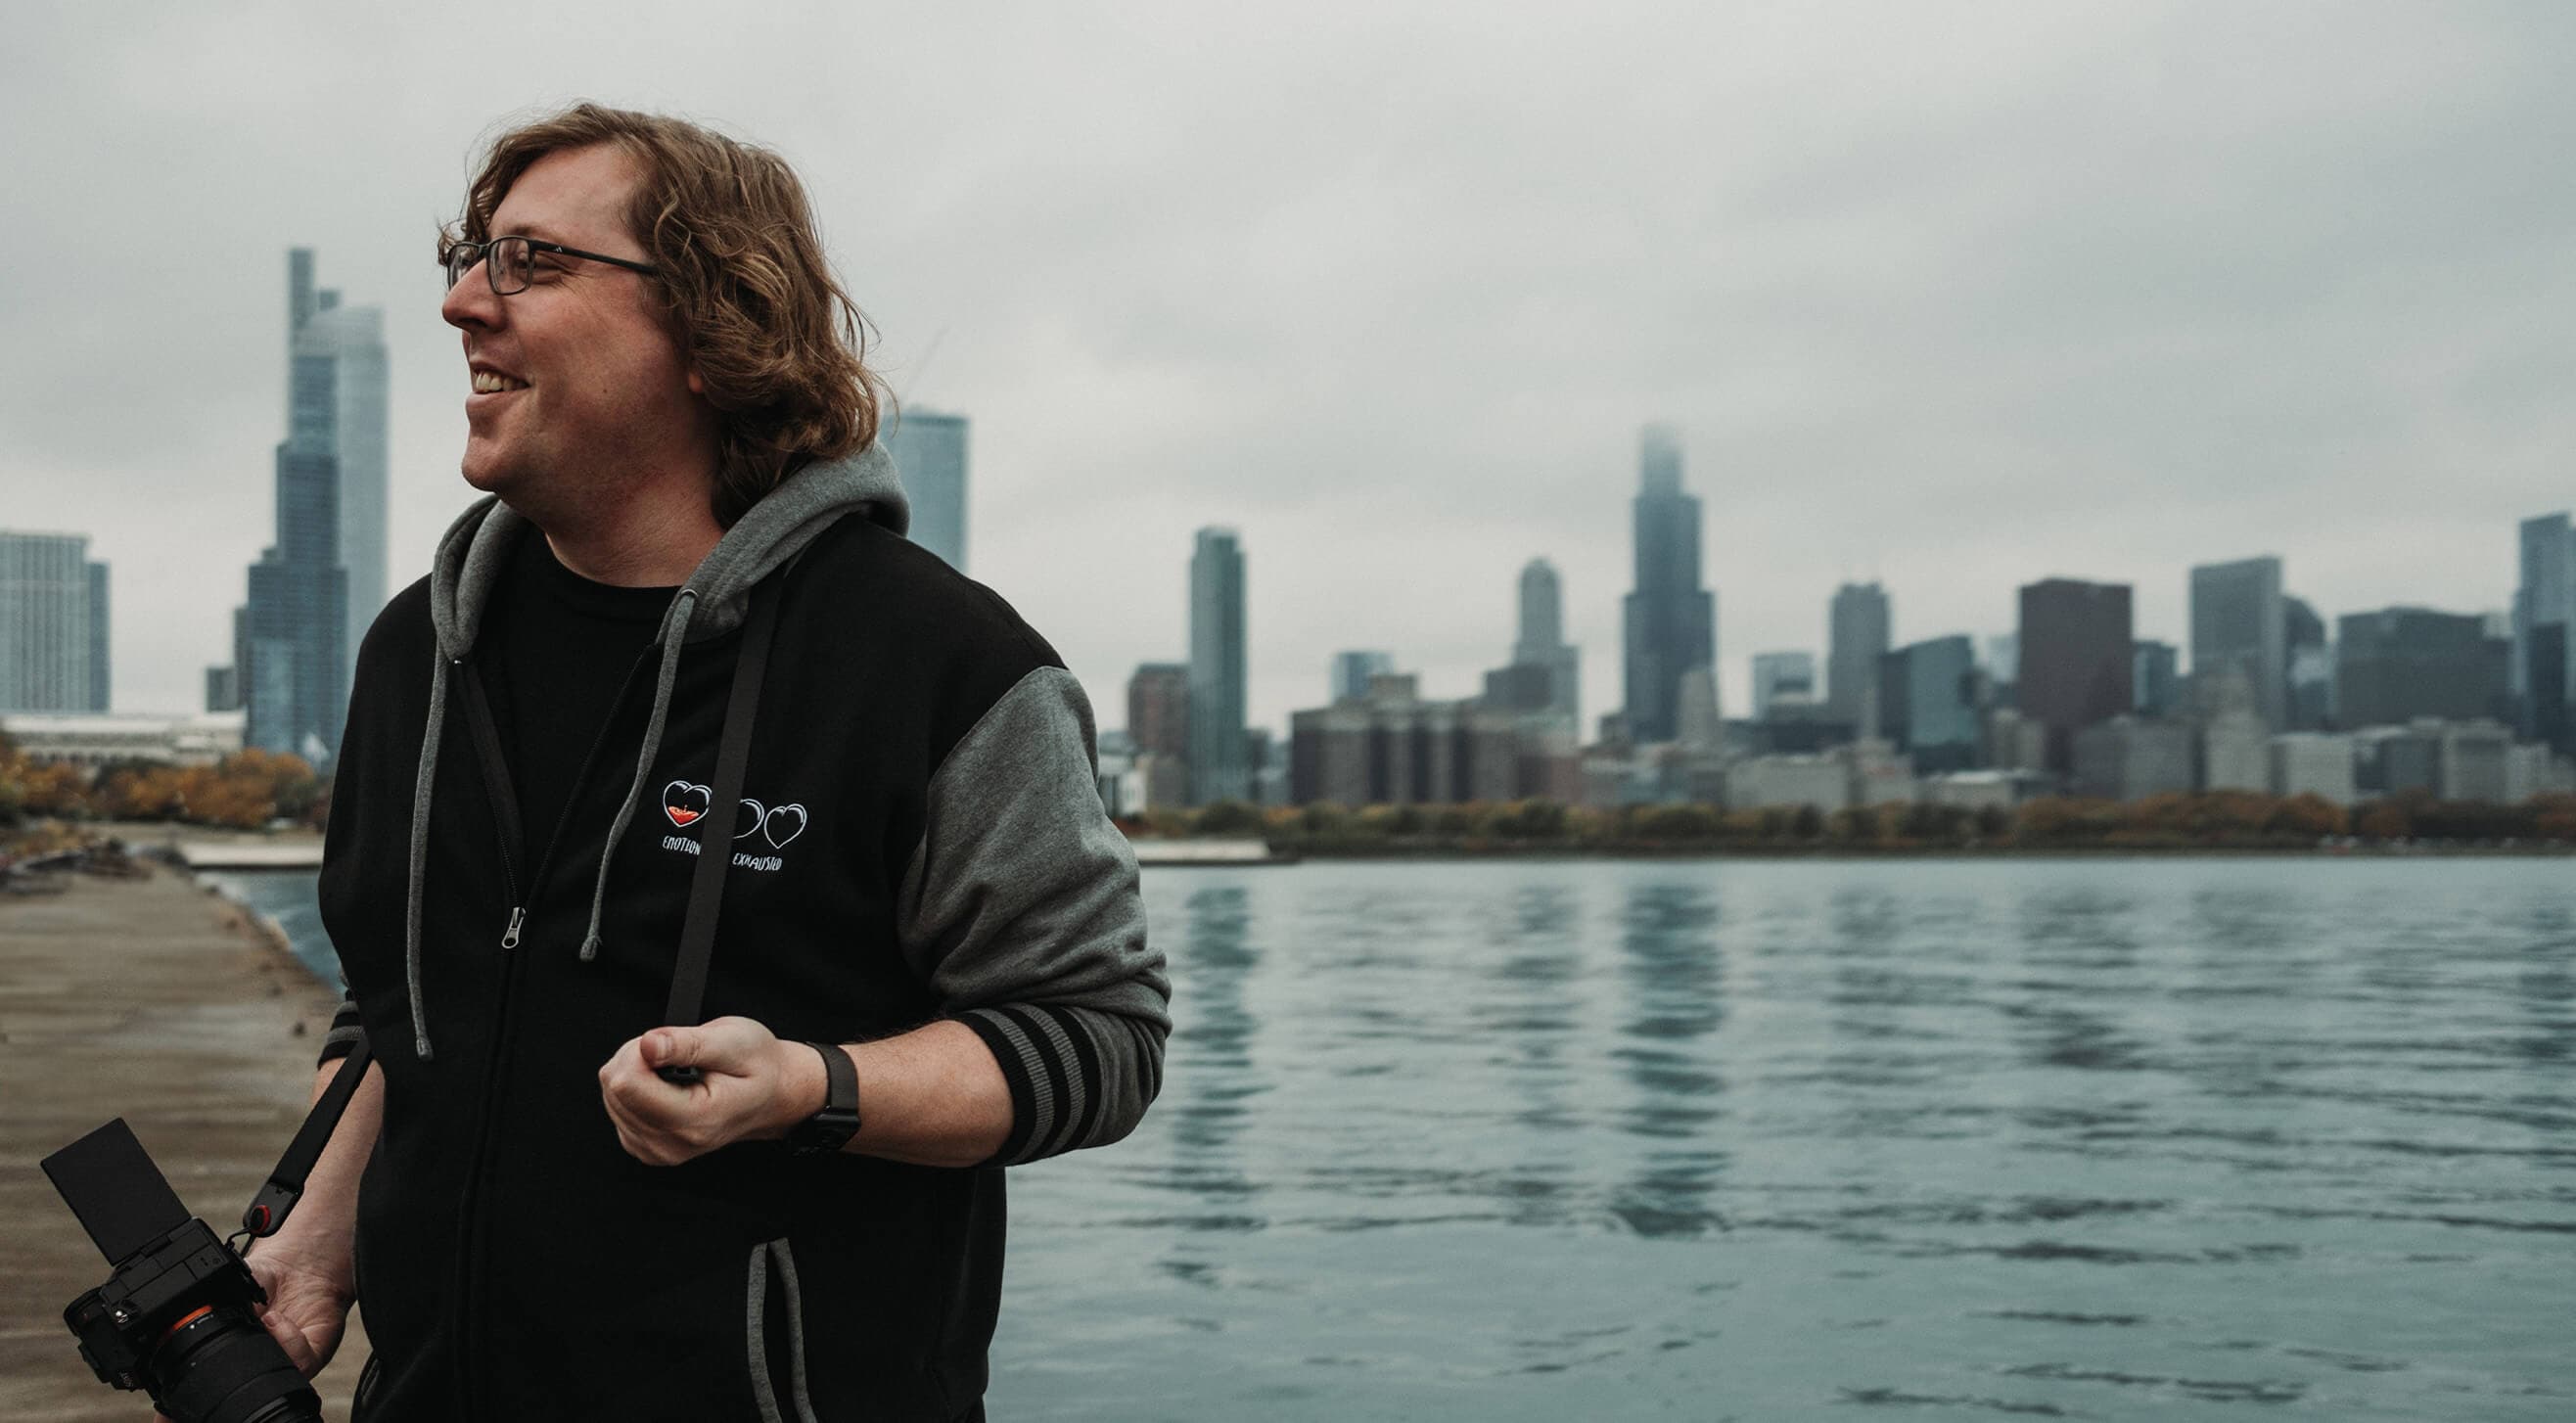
{"x": 590, "y": 379}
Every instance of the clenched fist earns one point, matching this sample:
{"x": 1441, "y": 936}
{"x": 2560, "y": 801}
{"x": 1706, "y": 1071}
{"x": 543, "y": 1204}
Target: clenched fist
{"x": 751, "y": 1087}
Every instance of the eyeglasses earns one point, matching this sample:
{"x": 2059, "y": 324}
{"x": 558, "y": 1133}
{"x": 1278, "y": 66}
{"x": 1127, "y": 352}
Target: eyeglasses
{"x": 510, "y": 262}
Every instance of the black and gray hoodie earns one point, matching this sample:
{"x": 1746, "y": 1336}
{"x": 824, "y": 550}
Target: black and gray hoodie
{"x": 920, "y": 838}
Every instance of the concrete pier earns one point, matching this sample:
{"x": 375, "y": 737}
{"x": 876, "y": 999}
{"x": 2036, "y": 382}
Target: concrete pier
{"x": 158, "y": 1002}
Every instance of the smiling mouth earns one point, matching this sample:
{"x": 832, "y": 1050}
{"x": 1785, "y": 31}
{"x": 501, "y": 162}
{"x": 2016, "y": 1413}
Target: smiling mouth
{"x": 493, "y": 383}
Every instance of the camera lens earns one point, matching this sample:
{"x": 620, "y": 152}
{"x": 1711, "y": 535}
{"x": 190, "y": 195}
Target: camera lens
{"x": 221, "y": 1366}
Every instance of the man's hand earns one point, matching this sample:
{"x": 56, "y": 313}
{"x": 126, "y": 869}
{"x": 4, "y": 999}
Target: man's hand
{"x": 307, "y": 1309}
{"x": 751, "y": 1087}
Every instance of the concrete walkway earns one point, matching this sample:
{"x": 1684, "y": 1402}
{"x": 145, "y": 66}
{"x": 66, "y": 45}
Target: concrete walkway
{"x": 154, "y": 1001}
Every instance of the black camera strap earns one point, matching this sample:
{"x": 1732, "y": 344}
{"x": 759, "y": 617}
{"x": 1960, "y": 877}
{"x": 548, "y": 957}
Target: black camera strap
{"x": 267, "y": 1210}
{"x": 717, "y": 831}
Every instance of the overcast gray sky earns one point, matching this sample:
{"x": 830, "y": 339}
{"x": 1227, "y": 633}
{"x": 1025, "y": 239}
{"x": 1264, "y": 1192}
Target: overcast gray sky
{"x": 1956, "y": 296}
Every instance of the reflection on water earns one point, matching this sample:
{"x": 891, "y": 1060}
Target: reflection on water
{"x": 1670, "y": 960}
{"x": 2147, "y": 1139}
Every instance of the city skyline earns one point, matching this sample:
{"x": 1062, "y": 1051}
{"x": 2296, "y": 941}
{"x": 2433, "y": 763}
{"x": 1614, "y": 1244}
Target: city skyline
{"x": 1538, "y": 605}
{"x": 1983, "y": 314}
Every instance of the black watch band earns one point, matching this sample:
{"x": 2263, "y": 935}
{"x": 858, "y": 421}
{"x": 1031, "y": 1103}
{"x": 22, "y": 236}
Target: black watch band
{"x": 831, "y": 1128}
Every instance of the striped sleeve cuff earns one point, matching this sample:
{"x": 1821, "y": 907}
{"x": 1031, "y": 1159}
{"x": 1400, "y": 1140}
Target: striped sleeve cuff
{"x": 1079, "y": 1077}
{"x": 344, "y": 1034}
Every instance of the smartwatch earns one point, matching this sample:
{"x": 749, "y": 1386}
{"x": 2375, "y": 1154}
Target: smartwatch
{"x": 831, "y": 1128}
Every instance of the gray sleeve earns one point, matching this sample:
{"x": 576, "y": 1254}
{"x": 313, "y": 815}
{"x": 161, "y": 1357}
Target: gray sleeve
{"x": 345, "y": 1031}
{"x": 1020, "y": 910}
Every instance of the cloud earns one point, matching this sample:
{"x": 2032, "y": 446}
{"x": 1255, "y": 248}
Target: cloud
{"x": 1959, "y": 296}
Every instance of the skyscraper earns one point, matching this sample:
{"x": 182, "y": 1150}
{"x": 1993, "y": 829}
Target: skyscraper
{"x": 2401, "y": 663}
{"x": 1781, "y": 673}
{"x": 1541, "y": 641}
{"x": 1158, "y": 721}
{"x": 351, "y": 339}
{"x": 929, "y": 452}
{"x": 2076, "y": 659}
{"x": 2154, "y": 683}
{"x": 2237, "y": 621}
{"x": 1859, "y": 636}
{"x": 1671, "y": 621}
{"x": 293, "y": 635}
{"x": 1927, "y": 702}
{"x": 2544, "y": 631}
{"x": 1218, "y": 673}
{"x": 53, "y": 624}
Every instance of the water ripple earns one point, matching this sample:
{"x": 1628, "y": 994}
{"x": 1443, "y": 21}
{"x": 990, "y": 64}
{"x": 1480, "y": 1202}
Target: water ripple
{"x": 2060, "y": 1139}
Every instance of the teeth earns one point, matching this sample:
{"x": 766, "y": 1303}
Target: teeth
{"x": 490, "y": 383}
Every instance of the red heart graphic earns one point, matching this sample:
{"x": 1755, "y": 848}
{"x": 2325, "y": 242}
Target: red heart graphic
{"x": 684, "y": 802}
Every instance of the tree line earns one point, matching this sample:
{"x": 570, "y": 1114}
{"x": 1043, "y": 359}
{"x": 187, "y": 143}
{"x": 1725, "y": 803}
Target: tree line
{"x": 243, "y": 791}
{"x": 251, "y": 789}
{"x": 2206, "y": 820}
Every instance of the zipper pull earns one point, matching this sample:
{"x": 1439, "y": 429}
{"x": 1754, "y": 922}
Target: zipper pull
{"x": 510, "y": 936}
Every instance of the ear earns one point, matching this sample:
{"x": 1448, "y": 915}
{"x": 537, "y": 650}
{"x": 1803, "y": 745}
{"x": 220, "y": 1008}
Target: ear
{"x": 697, "y": 383}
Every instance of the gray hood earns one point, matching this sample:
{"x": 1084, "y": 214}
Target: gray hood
{"x": 477, "y": 547}
{"x": 474, "y": 550}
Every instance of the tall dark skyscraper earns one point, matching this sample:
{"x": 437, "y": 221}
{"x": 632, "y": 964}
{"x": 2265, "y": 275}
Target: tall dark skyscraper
{"x": 929, "y": 452}
{"x": 1671, "y": 620}
{"x": 2076, "y": 659}
{"x": 293, "y": 640}
{"x": 1219, "y": 675}
{"x": 2544, "y": 631}
{"x": 1858, "y": 629}
{"x": 350, "y": 341}
{"x": 2237, "y": 621}
{"x": 2401, "y": 663}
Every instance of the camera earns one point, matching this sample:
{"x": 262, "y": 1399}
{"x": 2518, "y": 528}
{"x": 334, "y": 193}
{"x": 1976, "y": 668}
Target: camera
{"x": 178, "y": 1316}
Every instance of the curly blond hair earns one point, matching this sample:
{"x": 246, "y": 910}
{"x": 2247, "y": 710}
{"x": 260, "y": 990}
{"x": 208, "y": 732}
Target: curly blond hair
{"x": 779, "y": 346}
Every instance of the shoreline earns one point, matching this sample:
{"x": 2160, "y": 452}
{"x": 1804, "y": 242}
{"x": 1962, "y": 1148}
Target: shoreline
{"x": 1471, "y": 853}
{"x": 172, "y": 1005}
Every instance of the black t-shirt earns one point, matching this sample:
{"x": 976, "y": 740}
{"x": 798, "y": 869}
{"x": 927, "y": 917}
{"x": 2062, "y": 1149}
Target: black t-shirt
{"x": 561, "y": 648}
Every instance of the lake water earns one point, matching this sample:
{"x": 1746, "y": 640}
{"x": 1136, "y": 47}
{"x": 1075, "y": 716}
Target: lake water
{"x": 2117, "y": 1139}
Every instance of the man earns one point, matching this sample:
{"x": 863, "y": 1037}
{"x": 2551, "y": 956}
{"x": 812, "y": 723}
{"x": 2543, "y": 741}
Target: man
{"x": 669, "y": 408}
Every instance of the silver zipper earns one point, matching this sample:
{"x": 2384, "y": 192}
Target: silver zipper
{"x": 510, "y": 936}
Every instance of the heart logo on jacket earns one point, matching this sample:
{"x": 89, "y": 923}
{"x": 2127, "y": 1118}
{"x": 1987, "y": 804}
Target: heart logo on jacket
{"x": 747, "y": 817}
{"x": 783, "y": 823}
{"x": 684, "y": 803}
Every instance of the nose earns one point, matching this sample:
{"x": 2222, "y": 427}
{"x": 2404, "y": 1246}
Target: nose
{"x": 470, "y": 304}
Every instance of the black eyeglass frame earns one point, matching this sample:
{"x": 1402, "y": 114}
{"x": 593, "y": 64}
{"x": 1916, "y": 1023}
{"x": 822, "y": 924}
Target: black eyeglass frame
{"x": 483, "y": 256}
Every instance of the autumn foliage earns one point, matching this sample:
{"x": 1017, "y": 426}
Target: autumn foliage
{"x": 244, "y": 791}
